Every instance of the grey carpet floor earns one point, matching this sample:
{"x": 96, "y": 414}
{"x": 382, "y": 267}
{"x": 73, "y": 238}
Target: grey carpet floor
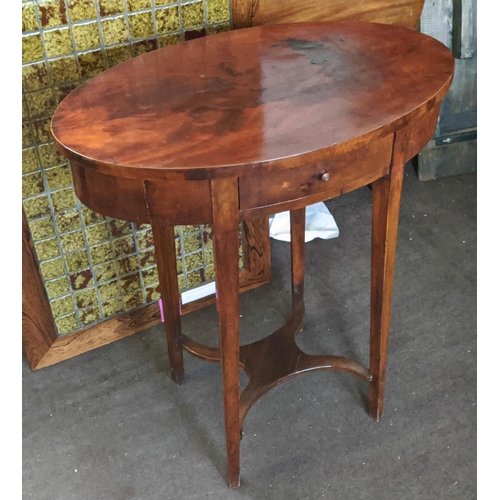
{"x": 111, "y": 424}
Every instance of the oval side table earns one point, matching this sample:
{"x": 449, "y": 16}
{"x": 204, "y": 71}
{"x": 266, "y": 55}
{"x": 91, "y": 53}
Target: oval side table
{"x": 250, "y": 123}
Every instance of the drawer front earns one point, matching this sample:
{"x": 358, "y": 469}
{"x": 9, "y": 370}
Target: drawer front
{"x": 317, "y": 181}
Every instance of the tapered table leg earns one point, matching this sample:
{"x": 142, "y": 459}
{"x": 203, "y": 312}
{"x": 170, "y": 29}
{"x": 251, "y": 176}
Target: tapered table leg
{"x": 385, "y": 218}
{"x": 164, "y": 241}
{"x": 297, "y": 248}
{"x": 226, "y": 246}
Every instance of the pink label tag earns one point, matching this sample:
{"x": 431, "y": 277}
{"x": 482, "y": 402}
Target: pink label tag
{"x": 160, "y": 303}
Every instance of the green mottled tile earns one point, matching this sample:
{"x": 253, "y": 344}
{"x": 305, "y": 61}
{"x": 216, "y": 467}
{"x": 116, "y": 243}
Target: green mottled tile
{"x": 42, "y": 228}
{"x": 118, "y": 54}
{"x": 67, "y": 324}
{"x": 86, "y": 36}
{"x": 58, "y": 177}
{"x": 141, "y": 25}
{"x": 105, "y": 272}
{"x": 178, "y": 249}
{"x": 77, "y": 261}
{"x": 145, "y": 239}
{"x": 130, "y": 283}
{"x": 58, "y": 42}
{"x": 30, "y": 22}
{"x": 27, "y": 135}
{"x": 72, "y": 242}
{"x": 134, "y": 5}
{"x": 89, "y": 216}
{"x": 57, "y": 288}
{"x": 119, "y": 227}
{"x": 190, "y": 229}
{"x": 97, "y": 234}
{"x": 52, "y": 13}
{"x": 89, "y": 315}
{"x": 61, "y": 91}
{"x": 91, "y": 63}
{"x": 36, "y": 207}
{"x": 147, "y": 258}
{"x": 62, "y": 200}
{"x": 47, "y": 249}
{"x": 127, "y": 265}
{"x": 143, "y": 46}
{"x": 217, "y": 11}
{"x": 41, "y": 103}
{"x": 193, "y": 261}
{"x": 168, "y": 20}
{"x": 179, "y": 266}
{"x": 52, "y": 268}
{"x": 133, "y": 300}
{"x": 150, "y": 276}
{"x": 32, "y": 184}
{"x": 42, "y": 130}
{"x": 30, "y": 161}
{"x": 210, "y": 272}
{"x": 110, "y": 7}
{"x": 82, "y": 10}
{"x": 109, "y": 290}
{"x": 191, "y": 243}
{"x": 213, "y": 30}
{"x": 68, "y": 221}
{"x": 49, "y": 156}
{"x": 35, "y": 76}
{"x": 63, "y": 70}
{"x": 86, "y": 298}
{"x": 164, "y": 2}
{"x": 81, "y": 279}
{"x": 114, "y": 30}
{"x": 181, "y": 282}
{"x": 209, "y": 255}
{"x": 24, "y": 110}
{"x": 142, "y": 227}
{"x": 193, "y": 279}
{"x": 192, "y": 15}
{"x": 101, "y": 253}
{"x": 124, "y": 246}
{"x": 165, "y": 40}
{"x": 32, "y": 48}
{"x": 112, "y": 307}
{"x": 152, "y": 294}
{"x": 63, "y": 306}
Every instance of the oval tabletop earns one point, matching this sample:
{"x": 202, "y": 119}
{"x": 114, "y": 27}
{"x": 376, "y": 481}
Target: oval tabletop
{"x": 254, "y": 96}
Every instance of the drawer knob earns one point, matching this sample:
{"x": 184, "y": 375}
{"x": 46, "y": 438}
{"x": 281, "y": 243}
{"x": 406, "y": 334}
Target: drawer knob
{"x": 325, "y": 177}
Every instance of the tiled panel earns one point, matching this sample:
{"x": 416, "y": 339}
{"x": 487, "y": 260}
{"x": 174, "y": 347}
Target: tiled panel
{"x": 95, "y": 267}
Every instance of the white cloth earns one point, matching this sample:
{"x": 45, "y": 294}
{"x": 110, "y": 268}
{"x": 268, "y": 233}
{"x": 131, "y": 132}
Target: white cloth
{"x": 319, "y": 224}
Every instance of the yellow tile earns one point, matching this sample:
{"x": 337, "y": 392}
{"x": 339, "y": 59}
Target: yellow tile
{"x": 32, "y": 184}
{"x": 24, "y": 110}
{"x": 57, "y": 288}
{"x": 71, "y": 242}
{"x": 42, "y": 130}
{"x": 133, "y": 5}
{"x": 167, "y": 20}
{"x": 49, "y": 156}
{"x": 61, "y": 91}
{"x": 124, "y": 246}
{"x": 82, "y": 10}
{"x": 209, "y": 255}
{"x": 127, "y": 265}
{"x": 165, "y": 40}
{"x": 190, "y": 229}
{"x": 89, "y": 216}
{"x": 105, "y": 272}
{"x": 110, "y": 7}
{"x": 86, "y": 36}
{"x": 145, "y": 240}
{"x": 67, "y": 221}
{"x": 118, "y": 54}
{"x": 210, "y": 272}
{"x": 58, "y": 42}
{"x": 97, "y": 234}
{"x": 77, "y": 261}
{"x": 150, "y": 276}
{"x": 193, "y": 261}
{"x": 217, "y": 11}
{"x": 36, "y": 207}
{"x": 63, "y": 70}
{"x": 181, "y": 282}
{"x": 27, "y": 135}
{"x": 42, "y": 228}
{"x": 191, "y": 243}
{"x": 30, "y": 161}
{"x": 193, "y": 279}
{"x": 52, "y": 268}
{"x": 58, "y": 177}
{"x": 30, "y": 22}
{"x": 109, "y": 290}
{"x": 35, "y": 76}
{"x": 114, "y": 30}
{"x": 152, "y": 294}
{"x": 32, "y": 48}
{"x": 141, "y": 25}
{"x": 67, "y": 324}
{"x": 52, "y": 13}
{"x": 130, "y": 283}
{"x": 90, "y": 315}
{"x": 81, "y": 279}
{"x": 213, "y": 30}
{"x": 143, "y": 46}
{"x": 86, "y": 298}
{"x": 147, "y": 258}
{"x": 119, "y": 227}
{"x": 62, "y": 306}
{"x": 112, "y": 307}
{"x": 47, "y": 249}
{"x": 91, "y": 63}
{"x": 101, "y": 253}
{"x": 133, "y": 300}
{"x": 164, "y": 2}
{"x": 192, "y": 15}
{"x": 41, "y": 103}
{"x": 62, "y": 200}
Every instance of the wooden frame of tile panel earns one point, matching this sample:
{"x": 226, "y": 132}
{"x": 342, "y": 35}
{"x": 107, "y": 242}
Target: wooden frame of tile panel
{"x": 44, "y": 347}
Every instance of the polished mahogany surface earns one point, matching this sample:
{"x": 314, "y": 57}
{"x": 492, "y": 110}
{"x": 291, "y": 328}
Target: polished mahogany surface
{"x": 224, "y": 104}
